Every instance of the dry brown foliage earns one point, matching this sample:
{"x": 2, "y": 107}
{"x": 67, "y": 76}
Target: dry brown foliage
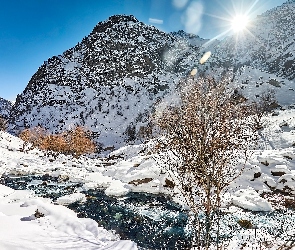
{"x": 56, "y": 143}
{"x": 204, "y": 138}
{"x": 35, "y": 135}
{"x": 75, "y": 142}
{"x": 79, "y": 141}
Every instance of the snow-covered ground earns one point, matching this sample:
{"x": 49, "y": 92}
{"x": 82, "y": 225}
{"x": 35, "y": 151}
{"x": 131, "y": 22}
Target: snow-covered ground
{"x": 31, "y": 222}
{"x": 27, "y": 222}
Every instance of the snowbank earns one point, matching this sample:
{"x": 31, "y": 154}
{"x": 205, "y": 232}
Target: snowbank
{"x": 34, "y": 223}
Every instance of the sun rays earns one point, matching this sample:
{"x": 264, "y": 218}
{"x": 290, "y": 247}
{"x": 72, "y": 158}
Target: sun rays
{"x": 239, "y": 23}
{"x": 236, "y": 20}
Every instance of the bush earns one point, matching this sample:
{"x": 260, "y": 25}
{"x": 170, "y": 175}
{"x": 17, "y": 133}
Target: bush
{"x": 265, "y": 104}
{"x": 145, "y": 132}
{"x": 56, "y": 143}
{"x": 75, "y": 142}
{"x": 130, "y": 133}
{"x": 35, "y": 136}
{"x": 79, "y": 141}
{"x": 204, "y": 137}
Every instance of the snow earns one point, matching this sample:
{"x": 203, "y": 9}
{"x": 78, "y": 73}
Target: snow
{"x": 117, "y": 188}
{"x": 128, "y": 169}
{"x": 70, "y": 198}
{"x": 286, "y": 183}
{"x": 56, "y": 227}
{"x": 129, "y": 164}
{"x": 250, "y": 199}
{"x": 251, "y": 239}
{"x": 253, "y": 82}
{"x": 280, "y": 169}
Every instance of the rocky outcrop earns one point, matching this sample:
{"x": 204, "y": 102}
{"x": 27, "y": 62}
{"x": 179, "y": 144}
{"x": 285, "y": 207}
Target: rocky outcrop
{"x": 5, "y": 107}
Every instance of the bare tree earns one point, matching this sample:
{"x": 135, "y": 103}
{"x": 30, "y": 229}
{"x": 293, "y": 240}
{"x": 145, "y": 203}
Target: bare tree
{"x": 264, "y": 105}
{"x": 204, "y": 138}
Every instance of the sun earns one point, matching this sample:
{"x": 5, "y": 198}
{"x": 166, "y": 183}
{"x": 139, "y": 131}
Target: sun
{"x": 239, "y": 23}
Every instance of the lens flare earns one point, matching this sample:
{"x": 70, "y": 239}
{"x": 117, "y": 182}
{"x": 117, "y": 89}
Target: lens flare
{"x": 205, "y": 57}
{"x": 194, "y": 72}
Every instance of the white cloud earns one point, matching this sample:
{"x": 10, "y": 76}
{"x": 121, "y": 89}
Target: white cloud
{"x": 192, "y": 17}
{"x": 179, "y": 4}
{"x": 157, "y": 21}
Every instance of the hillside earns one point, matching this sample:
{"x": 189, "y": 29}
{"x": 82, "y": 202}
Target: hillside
{"x": 268, "y": 45}
{"x": 129, "y": 195}
{"x": 108, "y": 82}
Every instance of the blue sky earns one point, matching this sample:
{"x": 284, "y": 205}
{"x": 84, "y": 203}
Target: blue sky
{"x": 31, "y": 31}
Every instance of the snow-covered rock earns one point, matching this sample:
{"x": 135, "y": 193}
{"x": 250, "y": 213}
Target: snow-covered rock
{"x": 117, "y": 188}
{"x": 286, "y": 183}
{"x": 280, "y": 170}
{"x": 249, "y": 199}
{"x": 5, "y": 107}
{"x": 71, "y": 198}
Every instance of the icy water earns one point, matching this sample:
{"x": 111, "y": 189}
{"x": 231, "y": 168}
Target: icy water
{"x": 152, "y": 221}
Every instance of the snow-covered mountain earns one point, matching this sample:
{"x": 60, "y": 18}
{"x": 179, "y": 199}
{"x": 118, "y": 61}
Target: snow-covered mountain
{"x": 5, "y": 107}
{"x": 108, "y": 82}
{"x": 111, "y": 81}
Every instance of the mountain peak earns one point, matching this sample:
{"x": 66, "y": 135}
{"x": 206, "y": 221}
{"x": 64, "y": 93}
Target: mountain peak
{"x": 112, "y": 20}
{"x": 123, "y": 18}
{"x": 182, "y": 33}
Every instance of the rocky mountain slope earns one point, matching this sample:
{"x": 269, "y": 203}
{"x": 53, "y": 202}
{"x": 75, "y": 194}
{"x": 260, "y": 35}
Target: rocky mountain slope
{"x": 111, "y": 81}
{"x": 5, "y": 107}
{"x": 262, "y": 58}
{"x": 108, "y": 82}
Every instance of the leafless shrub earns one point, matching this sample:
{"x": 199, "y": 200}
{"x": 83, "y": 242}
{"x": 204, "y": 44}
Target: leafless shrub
{"x": 145, "y": 132}
{"x": 265, "y": 104}
{"x": 204, "y": 138}
{"x": 130, "y": 133}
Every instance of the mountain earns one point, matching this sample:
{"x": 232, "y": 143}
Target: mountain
{"x": 111, "y": 81}
{"x": 5, "y": 107}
